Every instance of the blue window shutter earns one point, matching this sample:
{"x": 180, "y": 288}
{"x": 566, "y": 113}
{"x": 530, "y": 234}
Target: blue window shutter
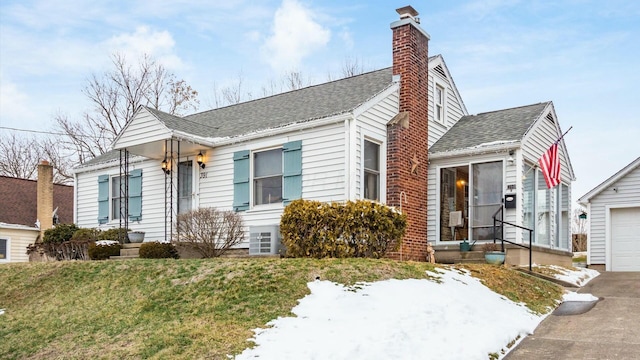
{"x": 241, "y": 180}
{"x": 292, "y": 171}
{"x": 135, "y": 195}
{"x": 103, "y": 199}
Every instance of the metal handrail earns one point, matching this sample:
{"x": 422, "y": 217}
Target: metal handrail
{"x": 502, "y": 223}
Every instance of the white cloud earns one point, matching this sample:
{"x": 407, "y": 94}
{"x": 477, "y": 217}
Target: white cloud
{"x": 157, "y": 44}
{"x": 14, "y": 104}
{"x": 347, "y": 38}
{"x": 295, "y": 36}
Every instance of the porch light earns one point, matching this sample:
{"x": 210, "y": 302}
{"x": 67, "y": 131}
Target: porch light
{"x": 166, "y": 167}
{"x": 200, "y": 160}
{"x": 582, "y": 216}
{"x": 511, "y": 160}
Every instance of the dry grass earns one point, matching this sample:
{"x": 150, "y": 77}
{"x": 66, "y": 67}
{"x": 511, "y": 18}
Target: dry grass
{"x": 179, "y": 309}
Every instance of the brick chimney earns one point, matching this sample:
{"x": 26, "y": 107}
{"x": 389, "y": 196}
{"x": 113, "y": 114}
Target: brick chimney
{"x": 407, "y": 133}
{"x": 45, "y": 196}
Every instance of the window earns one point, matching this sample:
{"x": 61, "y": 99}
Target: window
{"x": 528, "y": 199}
{"x": 4, "y": 249}
{"x": 272, "y": 176}
{"x": 454, "y": 203}
{"x": 110, "y": 198}
{"x": 543, "y": 211}
{"x": 371, "y": 170}
{"x": 267, "y": 177}
{"x": 439, "y": 102}
{"x": 116, "y": 197}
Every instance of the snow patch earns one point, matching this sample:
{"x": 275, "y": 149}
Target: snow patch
{"x": 574, "y": 296}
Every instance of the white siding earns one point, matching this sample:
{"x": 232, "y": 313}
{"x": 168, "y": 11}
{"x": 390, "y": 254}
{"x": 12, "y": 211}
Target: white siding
{"x": 143, "y": 128}
{"x": 628, "y": 194}
{"x": 538, "y": 141}
{"x": 433, "y": 192}
{"x": 373, "y": 124}
{"x": 152, "y": 199}
{"x": 18, "y": 240}
{"x": 323, "y": 172}
{"x": 452, "y": 107}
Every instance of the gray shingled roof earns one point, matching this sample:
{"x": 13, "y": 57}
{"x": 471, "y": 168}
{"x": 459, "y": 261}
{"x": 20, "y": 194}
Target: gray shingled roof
{"x": 314, "y": 102}
{"x": 306, "y": 104}
{"x": 501, "y": 125}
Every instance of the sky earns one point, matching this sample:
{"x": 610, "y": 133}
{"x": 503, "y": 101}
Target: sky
{"x": 402, "y": 319}
{"x": 580, "y": 54}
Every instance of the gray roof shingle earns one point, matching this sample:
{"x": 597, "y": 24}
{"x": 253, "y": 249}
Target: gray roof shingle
{"x": 314, "y": 102}
{"x": 501, "y": 125}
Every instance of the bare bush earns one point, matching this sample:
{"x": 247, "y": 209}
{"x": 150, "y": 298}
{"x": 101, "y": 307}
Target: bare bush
{"x": 209, "y": 231}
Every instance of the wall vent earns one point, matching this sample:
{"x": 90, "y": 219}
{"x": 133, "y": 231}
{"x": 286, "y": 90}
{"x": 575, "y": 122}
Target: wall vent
{"x": 440, "y": 71}
{"x": 550, "y": 118}
{"x": 264, "y": 240}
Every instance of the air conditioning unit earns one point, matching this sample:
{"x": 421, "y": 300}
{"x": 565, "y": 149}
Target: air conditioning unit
{"x": 264, "y": 240}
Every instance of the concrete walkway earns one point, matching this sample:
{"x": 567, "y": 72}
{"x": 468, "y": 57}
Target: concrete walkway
{"x": 611, "y": 330}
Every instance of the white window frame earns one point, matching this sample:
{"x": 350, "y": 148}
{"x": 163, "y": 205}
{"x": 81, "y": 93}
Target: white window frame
{"x": 382, "y": 158}
{"x": 470, "y": 214}
{"x": 8, "y": 243}
{"x": 111, "y": 198}
{"x": 252, "y": 178}
{"x": 439, "y": 108}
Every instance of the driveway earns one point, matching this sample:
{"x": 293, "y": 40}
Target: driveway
{"x": 611, "y": 330}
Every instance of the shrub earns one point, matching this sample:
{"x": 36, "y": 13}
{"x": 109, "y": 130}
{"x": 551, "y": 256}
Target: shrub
{"x": 156, "y": 250}
{"x": 355, "y": 229}
{"x": 67, "y": 250}
{"x": 59, "y": 234}
{"x": 103, "y": 252}
{"x": 491, "y": 246}
{"x": 84, "y": 234}
{"x": 209, "y": 231}
{"x": 114, "y": 234}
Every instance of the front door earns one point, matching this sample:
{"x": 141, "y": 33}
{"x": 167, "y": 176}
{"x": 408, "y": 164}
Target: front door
{"x": 487, "y": 198}
{"x": 185, "y": 186}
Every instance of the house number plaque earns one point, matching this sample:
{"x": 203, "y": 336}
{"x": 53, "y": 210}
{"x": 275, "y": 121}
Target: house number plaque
{"x": 203, "y": 175}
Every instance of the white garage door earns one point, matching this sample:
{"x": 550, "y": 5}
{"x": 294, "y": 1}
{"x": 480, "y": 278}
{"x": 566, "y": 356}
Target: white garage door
{"x": 625, "y": 239}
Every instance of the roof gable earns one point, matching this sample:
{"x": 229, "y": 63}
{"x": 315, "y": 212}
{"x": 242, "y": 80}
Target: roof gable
{"x": 20, "y": 203}
{"x": 501, "y": 126}
{"x": 605, "y": 184}
{"x": 439, "y": 66}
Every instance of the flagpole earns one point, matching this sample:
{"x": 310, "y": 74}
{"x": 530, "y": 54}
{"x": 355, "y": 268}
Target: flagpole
{"x": 565, "y": 133}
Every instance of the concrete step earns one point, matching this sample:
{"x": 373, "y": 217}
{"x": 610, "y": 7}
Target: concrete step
{"x": 132, "y": 246}
{"x": 123, "y": 257}
{"x": 130, "y": 252}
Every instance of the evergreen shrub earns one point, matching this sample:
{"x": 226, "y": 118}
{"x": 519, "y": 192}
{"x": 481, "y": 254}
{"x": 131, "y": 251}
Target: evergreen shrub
{"x": 157, "y": 250}
{"x": 355, "y": 229}
{"x": 59, "y": 233}
{"x": 103, "y": 252}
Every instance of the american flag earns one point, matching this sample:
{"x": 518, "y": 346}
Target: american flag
{"x": 550, "y": 165}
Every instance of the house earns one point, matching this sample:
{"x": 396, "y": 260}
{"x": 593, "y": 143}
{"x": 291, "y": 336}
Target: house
{"x": 363, "y": 137}
{"x": 28, "y": 208}
{"x": 613, "y": 209}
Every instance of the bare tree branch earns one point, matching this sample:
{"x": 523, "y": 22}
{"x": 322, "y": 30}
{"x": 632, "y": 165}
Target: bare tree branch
{"x": 115, "y": 96}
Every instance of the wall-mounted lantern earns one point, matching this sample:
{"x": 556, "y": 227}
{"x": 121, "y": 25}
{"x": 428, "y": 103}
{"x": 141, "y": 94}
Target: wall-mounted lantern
{"x": 166, "y": 166}
{"x": 200, "y": 160}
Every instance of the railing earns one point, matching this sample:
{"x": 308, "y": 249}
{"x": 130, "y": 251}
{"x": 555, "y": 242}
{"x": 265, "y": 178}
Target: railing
{"x": 502, "y": 224}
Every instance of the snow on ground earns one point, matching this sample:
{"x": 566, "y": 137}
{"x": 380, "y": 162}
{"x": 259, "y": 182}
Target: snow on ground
{"x": 574, "y": 296}
{"x": 579, "y": 277}
{"x": 457, "y": 318}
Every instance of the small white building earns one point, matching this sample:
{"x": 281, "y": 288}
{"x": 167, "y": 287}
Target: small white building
{"x": 613, "y": 208}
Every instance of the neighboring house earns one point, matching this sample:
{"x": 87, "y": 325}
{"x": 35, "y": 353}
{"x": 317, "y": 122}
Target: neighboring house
{"x": 363, "y": 137}
{"x": 613, "y": 208}
{"x": 27, "y": 203}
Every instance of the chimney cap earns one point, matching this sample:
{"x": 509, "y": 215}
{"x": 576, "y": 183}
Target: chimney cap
{"x": 407, "y": 12}
{"x": 44, "y": 162}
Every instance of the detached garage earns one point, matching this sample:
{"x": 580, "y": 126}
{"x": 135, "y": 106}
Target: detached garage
{"x": 614, "y": 225}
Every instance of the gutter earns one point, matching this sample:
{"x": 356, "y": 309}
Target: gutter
{"x": 479, "y": 150}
